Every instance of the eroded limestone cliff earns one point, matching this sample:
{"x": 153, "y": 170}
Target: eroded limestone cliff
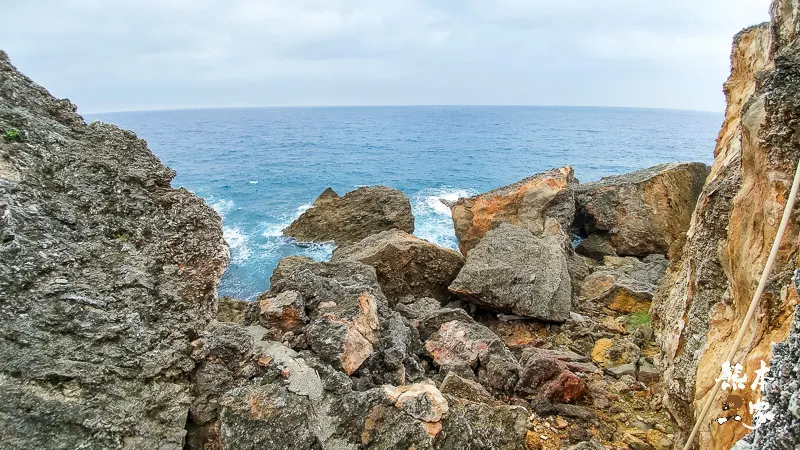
{"x": 106, "y": 275}
{"x": 705, "y": 295}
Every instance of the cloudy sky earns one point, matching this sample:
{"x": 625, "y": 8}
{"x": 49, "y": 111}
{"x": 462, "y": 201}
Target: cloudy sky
{"x": 112, "y": 55}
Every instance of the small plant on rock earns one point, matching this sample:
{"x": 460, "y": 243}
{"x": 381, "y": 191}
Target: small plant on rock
{"x": 13, "y": 134}
{"x": 638, "y": 319}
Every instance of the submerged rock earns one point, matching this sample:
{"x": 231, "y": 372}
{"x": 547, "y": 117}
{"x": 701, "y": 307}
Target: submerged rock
{"x": 542, "y": 204}
{"x": 349, "y": 219}
{"x": 511, "y": 270}
{"x": 405, "y": 264}
{"x": 642, "y": 212}
{"x": 106, "y": 275}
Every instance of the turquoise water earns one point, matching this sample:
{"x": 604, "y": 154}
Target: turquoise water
{"x": 260, "y": 168}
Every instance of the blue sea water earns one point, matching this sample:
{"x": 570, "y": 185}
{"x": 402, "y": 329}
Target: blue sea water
{"x": 259, "y": 168}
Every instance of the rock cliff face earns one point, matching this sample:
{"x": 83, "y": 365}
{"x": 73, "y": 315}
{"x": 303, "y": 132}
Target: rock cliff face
{"x": 106, "y": 275}
{"x": 705, "y": 295}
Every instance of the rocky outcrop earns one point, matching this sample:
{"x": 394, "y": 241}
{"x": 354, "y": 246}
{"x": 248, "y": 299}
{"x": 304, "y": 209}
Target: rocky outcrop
{"x": 624, "y": 285}
{"x": 106, "y": 275}
{"x": 286, "y": 265}
{"x": 642, "y": 212}
{"x": 349, "y": 219}
{"x": 512, "y": 270}
{"x": 542, "y": 204}
{"x": 406, "y": 265}
{"x": 701, "y": 304}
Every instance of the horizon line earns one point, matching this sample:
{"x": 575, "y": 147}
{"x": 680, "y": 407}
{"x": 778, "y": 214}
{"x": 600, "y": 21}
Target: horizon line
{"x": 210, "y": 108}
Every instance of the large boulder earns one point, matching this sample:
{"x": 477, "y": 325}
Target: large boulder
{"x": 286, "y": 265}
{"x": 405, "y": 264}
{"x": 642, "y": 212}
{"x": 106, "y": 274}
{"x": 511, "y": 270}
{"x": 349, "y": 219}
{"x": 625, "y": 285}
{"x": 543, "y": 204}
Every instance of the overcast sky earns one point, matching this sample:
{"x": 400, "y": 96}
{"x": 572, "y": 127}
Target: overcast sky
{"x": 112, "y": 55}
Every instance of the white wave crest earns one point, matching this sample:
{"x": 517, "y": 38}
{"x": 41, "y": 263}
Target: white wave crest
{"x": 238, "y": 242}
{"x": 433, "y": 221}
{"x": 222, "y": 206}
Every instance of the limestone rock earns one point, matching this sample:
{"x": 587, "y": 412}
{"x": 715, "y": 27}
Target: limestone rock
{"x": 465, "y": 389}
{"x": 642, "y": 212}
{"x": 106, "y": 274}
{"x": 473, "y": 425}
{"x": 472, "y": 345}
{"x": 282, "y": 313}
{"x": 703, "y": 299}
{"x": 596, "y": 247}
{"x": 511, "y": 270}
{"x": 542, "y": 204}
{"x": 349, "y": 219}
{"x": 420, "y": 400}
{"x": 286, "y": 265}
{"x": 430, "y": 323}
{"x": 624, "y": 285}
{"x": 405, "y": 264}
{"x": 234, "y": 310}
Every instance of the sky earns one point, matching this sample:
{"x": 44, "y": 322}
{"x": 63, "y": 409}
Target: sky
{"x": 119, "y": 55}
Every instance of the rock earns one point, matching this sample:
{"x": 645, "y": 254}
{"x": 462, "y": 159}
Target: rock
{"x": 343, "y": 334}
{"x": 543, "y": 373}
{"x": 107, "y": 273}
{"x": 615, "y": 352}
{"x": 647, "y": 372}
{"x": 624, "y": 369}
{"x": 286, "y": 265}
{"x": 349, "y": 219}
{"x": 578, "y": 412}
{"x": 542, "y": 204}
{"x": 625, "y": 285}
{"x": 420, "y": 400}
{"x": 462, "y": 344}
{"x": 595, "y": 247}
{"x": 641, "y": 212}
{"x": 430, "y": 323}
{"x": 406, "y": 265}
{"x": 511, "y": 270}
{"x": 282, "y": 313}
{"x": 237, "y": 311}
{"x": 418, "y": 308}
{"x": 465, "y": 389}
{"x": 703, "y": 299}
{"x": 473, "y": 425}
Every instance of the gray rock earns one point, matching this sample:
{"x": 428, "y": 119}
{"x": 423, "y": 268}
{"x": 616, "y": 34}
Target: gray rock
{"x": 624, "y": 369}
{"x": 511, "y": 270}
{"x": 465, "y": 389}
{"x": 349, "y": 219}
{"x": 418, "y": 308}
{"x": 405, "y": 264}
{"x": 578, "y": 412}
{"x": 237, "y": 311}
{"x": 595, "y": 247}
{"x": 430, "y": 323}
{"x": 286, "y": 265}
{"x": 106, "y": 274}
{"x": 473, "y": 425}
{"x": 282, "y": 313}
{"x": 647, "y": 373}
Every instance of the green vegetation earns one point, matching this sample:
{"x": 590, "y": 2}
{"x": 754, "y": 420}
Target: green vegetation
{"x": 638, "y": 319}
{"x": 13, "y": 134}
{"x": 122, "y": 236}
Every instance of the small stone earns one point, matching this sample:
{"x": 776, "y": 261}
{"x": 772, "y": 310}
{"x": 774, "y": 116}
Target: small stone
{"x": 561, "y": 423}
{"x": 578, "y": 412}
{"x": 625, "y": 369}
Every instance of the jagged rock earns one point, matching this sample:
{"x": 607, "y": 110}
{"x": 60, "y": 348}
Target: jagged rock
{"x": 596, "y": 247}
{"x": 642, "y": 212}
{"x": 237, "y": 311}
{"x": 543, "y": 373}
{"x": 623, "y": 369}
{"x": 542, "y": 204}
{"x": 286, "y": 265}
{"x": 647, "y": 373}
{"x": 418, "y": 308}
{"x": 349, "y": 219}
{"x": 703, "y": 299}
{"x": 615, "y": 352}
{"x": 406, "y": 265}
{"x": 472, "y": 425}
{"x": 578, "y": 412}
{"x": 465, "y": 389}
{"x": 106, "y": 274}
{"x": 430, "y": 323}
{"x": 343, "y": 333}
{"x": 511, "y": 270}
{"x": 419, "y": 400}
{"x": 282, "y": 313}
{"x": 624, "y": 285}
{"x": 463, "y": 344}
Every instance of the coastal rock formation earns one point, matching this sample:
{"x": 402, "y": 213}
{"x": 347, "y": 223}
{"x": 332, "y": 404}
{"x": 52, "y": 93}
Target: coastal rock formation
{"x": 514, "y": 271}
{"x": 642, "y": 212}
{"x": 624, "y": 285}
{"x": 701, "y": 304}
{"x": 542, "y": 204}
{"x": 349, "y": 219}
{"x": 286, "y": 265}
{"x": 106, "y": 275}
{"x": 406, "y": 265}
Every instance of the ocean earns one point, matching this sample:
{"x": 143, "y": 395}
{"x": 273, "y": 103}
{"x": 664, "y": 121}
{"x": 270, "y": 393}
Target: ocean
{"x": 260, "y": 168}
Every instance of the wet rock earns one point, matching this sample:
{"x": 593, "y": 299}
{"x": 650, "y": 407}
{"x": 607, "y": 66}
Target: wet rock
{"x": 106, "y": 274}
{"x": 343, "y": 333}
{"x": 237, "y": 311}
{"x": 624, "y": 285}
{"x": 642, "y": 212}
{"x": 462, "y": 344}
{"x": 282, "y": 313}
{"x": 286, "y": 265}
{"x": 542, "y": 204}
{"x": 349, "y": 219}
{"x": 405, "y": 264}
{"x": 511, "y": 270}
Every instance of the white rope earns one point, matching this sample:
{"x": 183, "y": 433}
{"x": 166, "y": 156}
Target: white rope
{"x": 787, "y": 210}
